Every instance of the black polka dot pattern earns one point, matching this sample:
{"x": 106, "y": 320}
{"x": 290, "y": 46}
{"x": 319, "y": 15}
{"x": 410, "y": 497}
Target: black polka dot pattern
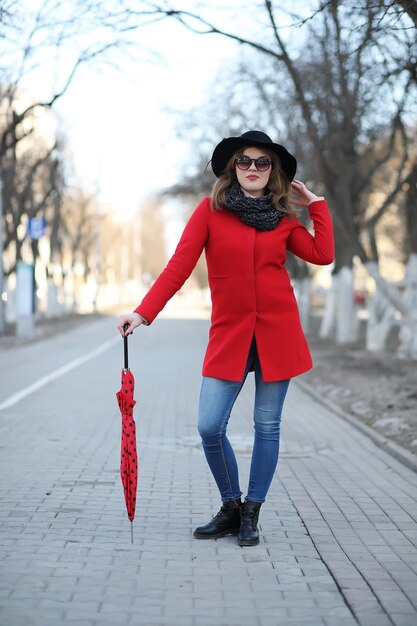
{"x": 129, "y": 460}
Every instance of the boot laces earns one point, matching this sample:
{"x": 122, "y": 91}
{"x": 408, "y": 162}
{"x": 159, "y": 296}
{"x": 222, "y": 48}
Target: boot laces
{"x": 249, "y": 515}
{"x": 224, "y": 510}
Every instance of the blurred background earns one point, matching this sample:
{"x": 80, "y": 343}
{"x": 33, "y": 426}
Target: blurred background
{"x": 109, "y": 113}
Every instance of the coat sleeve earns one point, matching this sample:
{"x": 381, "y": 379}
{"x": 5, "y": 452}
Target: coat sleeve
{"x": 317, "y": 248}
{"x": 180, "y": 266}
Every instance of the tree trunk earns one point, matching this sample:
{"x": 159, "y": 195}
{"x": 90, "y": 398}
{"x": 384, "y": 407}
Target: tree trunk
{"x": 346, "y": 317}
{"x": 408, "y": 330}
{"x": 410, "y": 8}
{"x": 328, "y": 323}
{"x": 380, "y": 321}
{"x": 340, "y": 320}
{"x": 390, "y": 291}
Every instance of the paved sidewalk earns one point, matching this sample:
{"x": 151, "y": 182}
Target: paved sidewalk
{"x": 338, "y": 531}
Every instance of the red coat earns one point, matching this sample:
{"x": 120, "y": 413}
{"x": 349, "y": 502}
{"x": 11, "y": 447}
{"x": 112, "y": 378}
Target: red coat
{"x": 250, "y": 288}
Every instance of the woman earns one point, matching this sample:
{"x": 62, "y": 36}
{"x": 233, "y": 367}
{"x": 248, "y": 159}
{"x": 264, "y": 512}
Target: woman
{"x": 245, "y": 228}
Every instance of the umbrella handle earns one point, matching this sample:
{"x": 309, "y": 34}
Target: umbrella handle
{"x": 125, "y": 327}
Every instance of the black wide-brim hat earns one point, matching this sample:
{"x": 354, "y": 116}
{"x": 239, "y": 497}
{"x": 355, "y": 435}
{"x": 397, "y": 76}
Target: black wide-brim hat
{"x": 228, "y": 146}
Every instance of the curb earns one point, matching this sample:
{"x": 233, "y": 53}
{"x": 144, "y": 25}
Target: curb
{"x": 394, "y": 449}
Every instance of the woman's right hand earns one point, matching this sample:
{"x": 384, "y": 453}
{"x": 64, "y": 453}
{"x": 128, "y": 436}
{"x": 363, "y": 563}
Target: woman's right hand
{"x": 133, "y": 319}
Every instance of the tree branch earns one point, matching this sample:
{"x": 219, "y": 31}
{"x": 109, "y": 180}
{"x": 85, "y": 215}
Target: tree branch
{"x": 181, "y": 16}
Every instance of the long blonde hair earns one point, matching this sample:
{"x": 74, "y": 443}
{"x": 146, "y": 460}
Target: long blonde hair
{"x": 278, "y": 185}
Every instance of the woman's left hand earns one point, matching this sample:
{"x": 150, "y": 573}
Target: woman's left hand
{"x": 303, "y": 195}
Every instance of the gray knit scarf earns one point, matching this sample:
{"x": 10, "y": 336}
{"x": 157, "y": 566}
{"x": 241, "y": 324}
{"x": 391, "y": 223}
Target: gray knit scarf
{"x": 259, "y": 213}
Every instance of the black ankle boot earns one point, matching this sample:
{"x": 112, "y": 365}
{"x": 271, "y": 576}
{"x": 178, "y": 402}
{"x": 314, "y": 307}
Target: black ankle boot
{"x": 249, "y": 514}
{"x": 226, "y": 522}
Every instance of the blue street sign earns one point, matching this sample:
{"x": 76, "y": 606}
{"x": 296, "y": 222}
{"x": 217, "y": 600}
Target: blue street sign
{"x": 36, "y": 228}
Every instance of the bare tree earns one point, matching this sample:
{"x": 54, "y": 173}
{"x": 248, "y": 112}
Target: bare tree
{"x": 344, "y": 78}
{"x": 57, "y": 37}
{"x": 153, "y": 247}
{"x": 349, "y": 94}
{"x": 397, "y": 7}
{"x": 410, "y": 8}
{"x": 27, "y": 191}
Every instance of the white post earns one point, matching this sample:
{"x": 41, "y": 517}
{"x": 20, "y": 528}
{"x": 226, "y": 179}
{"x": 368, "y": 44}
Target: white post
{"x": 24, "y": 300}
{"x": 2, "y": 303}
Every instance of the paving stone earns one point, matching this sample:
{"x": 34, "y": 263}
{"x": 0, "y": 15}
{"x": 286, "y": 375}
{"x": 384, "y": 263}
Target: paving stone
{"x": 337, "y": 531}
{"x": 401, "y": 619}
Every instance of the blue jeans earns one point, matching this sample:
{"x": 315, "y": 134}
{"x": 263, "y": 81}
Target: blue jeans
{"x": 217, "y": 398}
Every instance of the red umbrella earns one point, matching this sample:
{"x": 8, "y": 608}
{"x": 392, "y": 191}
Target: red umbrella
{"x": 129, "y": 457}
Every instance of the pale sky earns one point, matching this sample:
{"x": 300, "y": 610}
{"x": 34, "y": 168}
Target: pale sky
{"x": 119, "y": 131}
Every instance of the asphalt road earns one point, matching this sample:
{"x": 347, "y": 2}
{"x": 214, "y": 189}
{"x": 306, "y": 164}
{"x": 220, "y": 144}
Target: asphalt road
{"x": 338, "y": 531}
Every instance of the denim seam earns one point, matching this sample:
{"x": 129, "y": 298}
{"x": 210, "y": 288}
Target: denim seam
{"x": 221, "y": 441}
{"x": 227, "y": 474}
{"x": 279, "y": 407}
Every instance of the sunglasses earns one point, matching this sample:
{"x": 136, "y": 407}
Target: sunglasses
{"x": 261, "y": 163}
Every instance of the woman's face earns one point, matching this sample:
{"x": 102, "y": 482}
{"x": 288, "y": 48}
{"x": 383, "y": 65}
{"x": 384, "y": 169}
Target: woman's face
{"x": 253, "y": 181}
